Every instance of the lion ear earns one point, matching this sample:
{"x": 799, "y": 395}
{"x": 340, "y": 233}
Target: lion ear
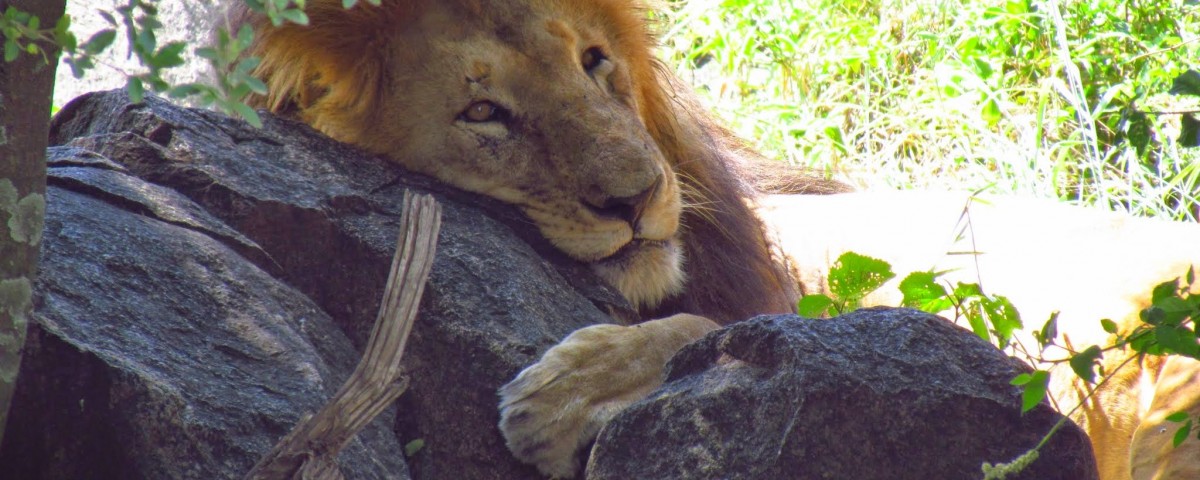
{"x": 333, "y": 64}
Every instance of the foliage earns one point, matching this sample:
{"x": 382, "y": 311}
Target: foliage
{"x": 1051, "y": 98}
{"x": 854, "y": 276}
{"x": 23, "y": 31}
{"x": 1167, "y": 328}
{"x": 851, "y": 279}
{"x": 138, "y": 21}
{"x": 414, "y": 447}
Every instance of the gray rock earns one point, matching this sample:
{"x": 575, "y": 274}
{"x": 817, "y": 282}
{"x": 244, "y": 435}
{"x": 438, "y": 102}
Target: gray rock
{"x": 183, "y": 247}
{"x": 875, "y": 394}
{"x": 205, "y": 283}
{"x": 158, "y": 352}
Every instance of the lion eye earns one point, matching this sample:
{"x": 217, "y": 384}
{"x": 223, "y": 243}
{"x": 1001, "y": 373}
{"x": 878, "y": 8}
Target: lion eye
{"x": 591, "y": 58}
{"x": 482, "y": 111}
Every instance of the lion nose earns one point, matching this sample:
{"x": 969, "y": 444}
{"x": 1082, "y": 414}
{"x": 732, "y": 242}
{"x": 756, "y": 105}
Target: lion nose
{"x": 627, "y": 208}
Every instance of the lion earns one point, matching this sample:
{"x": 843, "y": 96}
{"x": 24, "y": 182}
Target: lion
{"x": 560, "y": 108}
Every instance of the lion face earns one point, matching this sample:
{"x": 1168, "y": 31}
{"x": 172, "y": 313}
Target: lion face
{"x": 533, "y": 103}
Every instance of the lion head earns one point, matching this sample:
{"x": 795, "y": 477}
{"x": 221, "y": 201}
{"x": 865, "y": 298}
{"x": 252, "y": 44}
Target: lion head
{"x": 557, "y": 107}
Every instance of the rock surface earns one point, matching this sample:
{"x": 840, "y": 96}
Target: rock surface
{"x": 196, "y": 272}
{"x": 875, "y": 394}
{"x": 204, "y": 284}
{"x": 161, "y": 353}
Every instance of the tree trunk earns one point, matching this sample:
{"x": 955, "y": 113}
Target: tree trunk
{"x": 26, "y": 86}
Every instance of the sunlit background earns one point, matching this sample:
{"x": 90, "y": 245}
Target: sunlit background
{"x": 1064, "y": 99}
{"x": 1055, "y": 99}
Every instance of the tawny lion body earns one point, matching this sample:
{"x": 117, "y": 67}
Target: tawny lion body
{"x": 558, "y": 107}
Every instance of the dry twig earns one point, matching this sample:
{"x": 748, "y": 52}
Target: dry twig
{"x": 310, "y": 450}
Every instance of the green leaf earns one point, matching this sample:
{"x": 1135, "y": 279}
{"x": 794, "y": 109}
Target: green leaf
{"x": 1175, "y": 310}
{"x": 256, "y": 85}
{"x": 247, "y": 113}
{"x": 99, "y": 41}
{"x": 1109, "y": 326}
{"x": 1004, "y": 317}
{"x": 1165, "y": 290}
{"x": 145, "y": 41}
{"x": 1187, "y": 83}
{"x": 295, "y": 16}
{"x": 835, "y": 135}
{"x": 1035, "y": 390}
{"x": 63, "y": 35}
{"x": 1152, "y": 315}
{"x": 1182, "y": 434}
{"x": 921, "y": 291}
{"x": 1049, "y": 331}
{"x": 814, "y": 305}
{"x": 967, "y": 291}
{"x": 135, "y": 89}
{"x": 348, "y": 3}
{"x": 1083, "y": 363}
{"x": 1177, "y": 339}
{"x": 1144, "y": 343}
{"x": 247, "y": 65}
{"x": 1177, "y": 417}
{"x": 990, "y": 111}
{"x": 187, "y": 89}
{"x": 1020, "y": 379}
{"x": 978, "y": 324}
{"x": 245, "y": 35}
{"x": 170, "y": 55}
{"x": 854, "y": 276}
{"x": 207, "y": 53}
{"x": 11, "y": 50}
{"x": 411, "y": 448}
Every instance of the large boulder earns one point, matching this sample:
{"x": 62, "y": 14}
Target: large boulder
{"x": 160, "y": 352}
{"x": 882, "y": 394}
{"x": 204, "y": 284}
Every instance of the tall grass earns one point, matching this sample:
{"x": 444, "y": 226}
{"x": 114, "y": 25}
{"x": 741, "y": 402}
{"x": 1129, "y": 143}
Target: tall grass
{"x": 1049, "y": 98}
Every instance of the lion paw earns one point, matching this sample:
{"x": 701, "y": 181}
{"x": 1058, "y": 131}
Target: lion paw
{"x": 555, "y": 408}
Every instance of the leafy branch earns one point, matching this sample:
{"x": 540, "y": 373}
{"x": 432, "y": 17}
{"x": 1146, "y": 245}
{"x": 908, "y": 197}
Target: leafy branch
{"x": 139, "y": 23}
{"x": 1167, "y": 328}
{"x": 24, "y": 33}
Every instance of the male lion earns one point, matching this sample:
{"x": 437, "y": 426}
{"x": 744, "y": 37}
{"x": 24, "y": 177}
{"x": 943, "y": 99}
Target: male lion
{"x": 558, "y": 107}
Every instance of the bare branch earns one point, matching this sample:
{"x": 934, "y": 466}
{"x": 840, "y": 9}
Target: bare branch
{"x": 310, "y": 450}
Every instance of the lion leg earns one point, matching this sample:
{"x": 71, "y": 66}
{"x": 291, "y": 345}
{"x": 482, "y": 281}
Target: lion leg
{"x": 555, "y": 407}
{"x": 1152, "y": 453}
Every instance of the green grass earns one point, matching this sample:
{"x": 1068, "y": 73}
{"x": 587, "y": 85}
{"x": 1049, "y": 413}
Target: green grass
{"x": 957, "y": 94}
